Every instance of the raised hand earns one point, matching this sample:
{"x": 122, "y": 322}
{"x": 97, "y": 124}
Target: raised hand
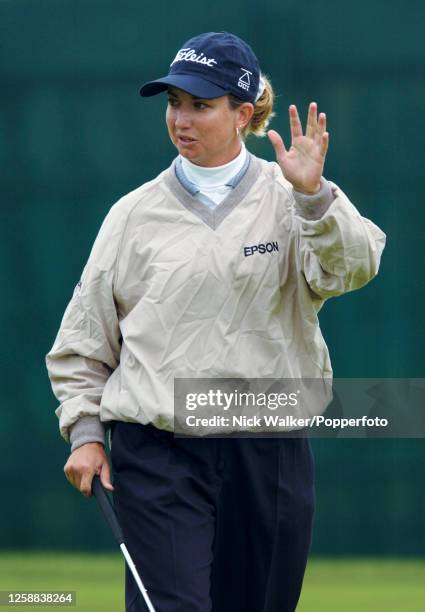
{"x": 303, "y": 164}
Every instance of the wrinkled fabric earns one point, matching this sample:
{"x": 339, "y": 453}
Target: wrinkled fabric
{"x": 166, "y": 294}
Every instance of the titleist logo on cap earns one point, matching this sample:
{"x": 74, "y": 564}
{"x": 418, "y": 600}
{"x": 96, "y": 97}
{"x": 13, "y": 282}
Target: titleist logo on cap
{"x": 189, "y": 55}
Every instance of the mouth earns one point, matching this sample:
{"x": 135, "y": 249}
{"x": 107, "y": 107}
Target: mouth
{"x": 185, "y": 140}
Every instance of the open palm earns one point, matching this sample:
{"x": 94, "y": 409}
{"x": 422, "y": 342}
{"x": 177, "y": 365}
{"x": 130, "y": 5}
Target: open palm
{"x": 303, "y": 164}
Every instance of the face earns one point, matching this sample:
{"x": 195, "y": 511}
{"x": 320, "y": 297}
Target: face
{"x": 204, "y": 131}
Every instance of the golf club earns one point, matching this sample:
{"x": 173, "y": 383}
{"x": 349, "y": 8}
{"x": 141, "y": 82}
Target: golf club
{"x": 110, "y": 516}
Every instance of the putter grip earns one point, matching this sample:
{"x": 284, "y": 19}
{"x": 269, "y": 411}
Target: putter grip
{"x": 107, "y": 509}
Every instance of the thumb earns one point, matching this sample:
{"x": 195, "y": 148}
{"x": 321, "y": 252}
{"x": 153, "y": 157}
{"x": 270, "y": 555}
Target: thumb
{"x": 277, "y": 143}
{"x": 105, "y": 476}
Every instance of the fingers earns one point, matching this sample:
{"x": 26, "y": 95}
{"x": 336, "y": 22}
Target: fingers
{"x": 105, "y": 477}
{"x": 321, "y": 128}
{"x": 315, "y": 128}
{"x": 315, "y": 131}
{"x": 85, "y": 483}
{"x": 311, "y": 120}
{"x": 83, "y": 463}
{"x": 294, "y": 122}
{"x": 80, "y": 477}
{"x": 277, "y": 143}
{"x": 324, "y": 143}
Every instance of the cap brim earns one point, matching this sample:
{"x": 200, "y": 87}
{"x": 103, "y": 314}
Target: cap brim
{"x": 200, "y": 88}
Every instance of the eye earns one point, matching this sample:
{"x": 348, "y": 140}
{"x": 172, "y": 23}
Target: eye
{"x": 200, "y": 105}
{"x": 172, "y": 101}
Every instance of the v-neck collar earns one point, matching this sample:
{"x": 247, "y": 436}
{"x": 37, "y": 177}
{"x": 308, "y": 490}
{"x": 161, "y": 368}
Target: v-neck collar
{"x": 213, "y": 217}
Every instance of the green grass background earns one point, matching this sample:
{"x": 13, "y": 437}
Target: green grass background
{"x": 331, "y": 585}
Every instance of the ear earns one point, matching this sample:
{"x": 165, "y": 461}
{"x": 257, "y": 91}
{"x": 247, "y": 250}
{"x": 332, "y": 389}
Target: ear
{"x": 244, "y": 114}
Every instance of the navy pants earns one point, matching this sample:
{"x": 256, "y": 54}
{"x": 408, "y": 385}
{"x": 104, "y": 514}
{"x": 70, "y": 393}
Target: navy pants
{"x": 213, "y": 524}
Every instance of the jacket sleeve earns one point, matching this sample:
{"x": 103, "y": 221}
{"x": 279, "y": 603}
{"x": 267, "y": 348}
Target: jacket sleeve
{"x": 339, "y": 249}
{"x": 87, "y": 347}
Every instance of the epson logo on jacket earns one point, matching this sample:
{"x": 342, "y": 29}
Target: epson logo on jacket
{"x": 269, "y": 247}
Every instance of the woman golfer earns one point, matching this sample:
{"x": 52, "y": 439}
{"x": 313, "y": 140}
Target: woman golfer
{"x": 214, "y": 269}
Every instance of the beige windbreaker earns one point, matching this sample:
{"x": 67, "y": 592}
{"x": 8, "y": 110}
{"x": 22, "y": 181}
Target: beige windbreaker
{"x": 175, "y": 289}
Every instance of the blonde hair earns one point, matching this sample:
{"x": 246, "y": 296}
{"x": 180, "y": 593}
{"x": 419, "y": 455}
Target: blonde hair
{"x": 263, "y": 110}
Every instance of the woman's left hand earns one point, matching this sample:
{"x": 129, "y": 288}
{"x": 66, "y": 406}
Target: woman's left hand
{"x": 303, "y": 164}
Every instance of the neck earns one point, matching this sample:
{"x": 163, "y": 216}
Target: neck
{"x": 208, "y": 177}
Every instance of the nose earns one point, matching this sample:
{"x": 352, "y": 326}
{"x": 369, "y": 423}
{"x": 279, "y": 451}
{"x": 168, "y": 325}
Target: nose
{"x": 183, "y": 118}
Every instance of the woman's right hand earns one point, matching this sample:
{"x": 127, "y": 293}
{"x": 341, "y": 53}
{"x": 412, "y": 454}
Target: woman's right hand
{"x": 83, "y": 463}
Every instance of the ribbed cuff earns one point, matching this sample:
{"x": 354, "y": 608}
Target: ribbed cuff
{"x": 86, "y": 429}
{"x": 313, "y": 207}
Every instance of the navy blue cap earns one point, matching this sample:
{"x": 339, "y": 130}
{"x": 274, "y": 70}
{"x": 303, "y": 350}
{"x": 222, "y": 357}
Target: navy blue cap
{"x": 211, "y": 65}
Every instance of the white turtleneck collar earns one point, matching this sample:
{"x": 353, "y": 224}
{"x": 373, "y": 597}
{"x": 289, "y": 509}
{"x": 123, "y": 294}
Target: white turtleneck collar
{"x": 209, "y": 180}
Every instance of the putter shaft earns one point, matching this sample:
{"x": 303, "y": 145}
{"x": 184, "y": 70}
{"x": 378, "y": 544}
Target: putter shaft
{"x": 137, "y": 577}
{"x": 111, "y": 518}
